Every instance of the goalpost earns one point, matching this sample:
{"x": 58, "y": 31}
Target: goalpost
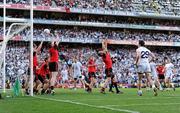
{"x": 19, "y": 27}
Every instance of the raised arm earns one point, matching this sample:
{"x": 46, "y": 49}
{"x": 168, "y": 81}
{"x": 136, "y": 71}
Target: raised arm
{"x": 104, "y": 45}
{"x": 39, "y": 47}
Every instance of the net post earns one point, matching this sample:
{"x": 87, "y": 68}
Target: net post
{"x": 31, "y": 48}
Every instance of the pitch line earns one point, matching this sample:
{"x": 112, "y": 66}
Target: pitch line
{"x": 153, "y": 104}
{"x": 84, "y": 104}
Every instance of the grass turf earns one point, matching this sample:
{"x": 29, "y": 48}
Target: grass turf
{"x": 70, "y": 101}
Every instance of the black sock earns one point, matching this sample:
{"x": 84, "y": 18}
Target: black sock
{"x": 110, "y": 87}
{"x": 52, "y": 87}
{"x": 0, "y": 96}
{"x": 35, "y": 91}
{"x": 115, "y": 85}
{"x": 43, "y": 91}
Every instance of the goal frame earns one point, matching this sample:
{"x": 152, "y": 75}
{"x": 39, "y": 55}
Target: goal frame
{"x": 7, "y": 37}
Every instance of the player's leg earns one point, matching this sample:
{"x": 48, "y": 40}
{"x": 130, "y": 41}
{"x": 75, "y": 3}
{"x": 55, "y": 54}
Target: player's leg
{"x": 148, "y": 76}
{"x": 92, "y": 79}
{"x": 158, "y": 84}
{"x": 45, "y": 86}
{"x": 40, "y": 83}
{"x": 107, "y": 81}
{"x": 75, "y": 83}
{"x": 140, "y": 75}
{"x": 27, "y": 84}
{"x": 167, "y": 81}
{"x": 115, "y": 85}
{"x": 53, "y": 67}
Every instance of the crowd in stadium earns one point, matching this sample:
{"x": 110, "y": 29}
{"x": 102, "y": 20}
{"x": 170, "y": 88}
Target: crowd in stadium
{"x": 124, "y": 69}
{"x": 154, "y": 6}
{"x": 94, "y": 18}
{"x": 100, "y": 34}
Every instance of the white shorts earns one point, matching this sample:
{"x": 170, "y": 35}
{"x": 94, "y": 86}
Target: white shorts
{"x": 64, "y": 79}
{"x": 77, "y": 75}
{"x": 154, "y": 75}
{"x": 168, "y": 75}
{"x": 144, "y": 68}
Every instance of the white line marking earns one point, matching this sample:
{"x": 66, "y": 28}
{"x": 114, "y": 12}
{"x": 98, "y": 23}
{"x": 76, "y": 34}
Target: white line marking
{"x": 84, "y": 104}
{"x": 152, "y": 104}
{"x": 140, "y": 98}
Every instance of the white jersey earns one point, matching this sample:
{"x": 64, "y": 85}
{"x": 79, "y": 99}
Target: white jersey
{"x": 143, "y": 54}
{"x": 169, "y": 69}
{"x": 153, "y": 69}
{"x": 64, "y": 74}
{"x": 77, "y": 69}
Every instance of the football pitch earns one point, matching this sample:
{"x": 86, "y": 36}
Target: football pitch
{"x": 70, "y": 101}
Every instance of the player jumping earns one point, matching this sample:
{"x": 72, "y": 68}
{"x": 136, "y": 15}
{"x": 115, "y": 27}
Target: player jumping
{"x": 108, "y": 71}
{"x": 53, "y": 64}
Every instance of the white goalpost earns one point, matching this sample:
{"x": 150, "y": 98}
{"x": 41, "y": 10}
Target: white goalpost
{"x": 19, "y": 27}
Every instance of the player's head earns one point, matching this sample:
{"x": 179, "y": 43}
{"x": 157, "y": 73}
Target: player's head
{"x": 55, "y": 45}
{"x": 91, "y": 57}
{"x": 141, "y": 43}
{"x": 166, "y": 60}
{"x": 75, "y": 59}
{"x": 46, "y": 60}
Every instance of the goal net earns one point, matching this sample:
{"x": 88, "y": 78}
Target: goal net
{"x": 14, "y": 54}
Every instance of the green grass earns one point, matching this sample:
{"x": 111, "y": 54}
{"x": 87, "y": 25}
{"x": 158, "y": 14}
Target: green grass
{"x": 70, "y": 101}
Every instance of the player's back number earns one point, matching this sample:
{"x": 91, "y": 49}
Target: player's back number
{"x": 144, "y": 54}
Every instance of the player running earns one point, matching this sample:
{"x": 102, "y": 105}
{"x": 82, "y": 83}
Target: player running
{"x": 160, "y": 69}
{"x": 108, "y": 71}
{"x": 53, "y": 64}
{"x": 64, "y": 74}
{"x": 92, "y": 71}
{"x": 155, "y": 75}
{"x": 77, "y": 75}
{"x": 169, "y": 72}
{"x": 143, "y": 66}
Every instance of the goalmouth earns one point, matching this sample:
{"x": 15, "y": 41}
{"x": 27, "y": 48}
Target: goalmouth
{"x": 17, "y": 26}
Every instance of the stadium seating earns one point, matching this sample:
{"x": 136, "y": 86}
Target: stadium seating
{"x": 167, "y": 7}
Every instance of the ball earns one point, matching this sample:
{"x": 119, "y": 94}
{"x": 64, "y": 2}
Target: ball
{"x": 47, "y": 31}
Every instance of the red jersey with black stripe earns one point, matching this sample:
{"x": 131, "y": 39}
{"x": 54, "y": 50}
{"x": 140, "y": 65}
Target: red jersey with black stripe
{"x": 54, "y": 56}
{"x": 107, "y": 60}
{"x": 92, "y": 66}
{"x": 43, "y": 71}
{"x": 35, "y": 60}
{"x": 160, "y": 70}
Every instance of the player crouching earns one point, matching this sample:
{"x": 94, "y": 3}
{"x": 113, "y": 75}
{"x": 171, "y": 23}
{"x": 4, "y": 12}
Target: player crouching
{"x": 43, "y": 77}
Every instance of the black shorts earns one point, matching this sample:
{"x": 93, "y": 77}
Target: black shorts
{"x": 41, "y": 78}
{"x": 161, "y": 76}
{"x": 53, "y": 66}
{"x": 91, "y": 74}
{"x": 48, "y": 76}
{"x": 109, "y": 73}
{"x": 28, "y": 72}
